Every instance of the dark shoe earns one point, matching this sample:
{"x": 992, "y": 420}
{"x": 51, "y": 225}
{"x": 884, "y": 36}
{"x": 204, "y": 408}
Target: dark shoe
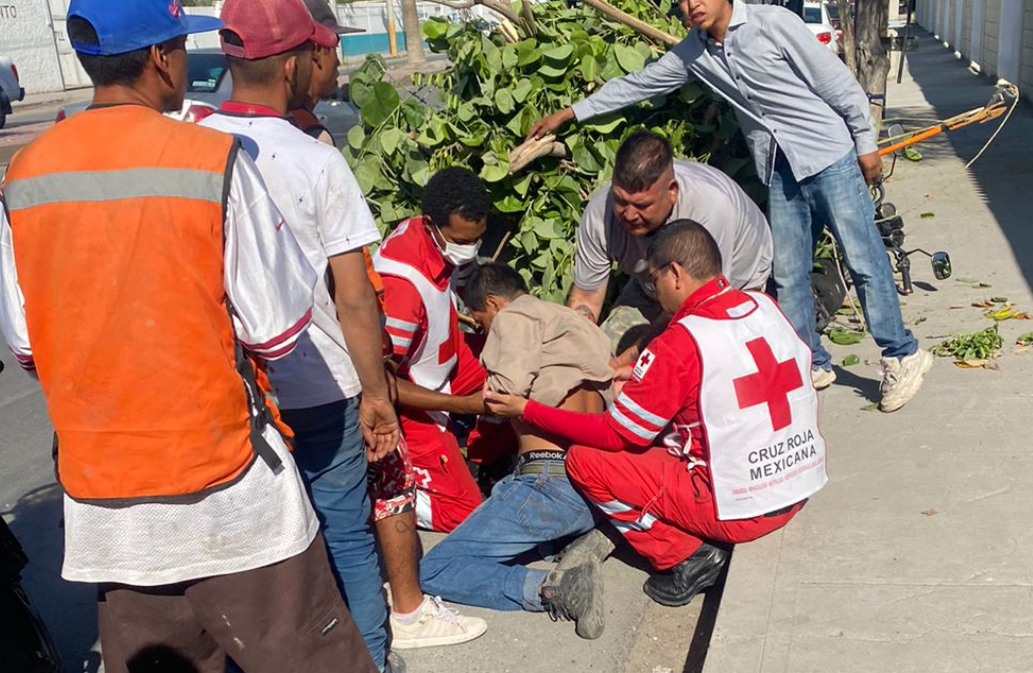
{"x": 679, "y": 585}
{"x": 577, "y": 595}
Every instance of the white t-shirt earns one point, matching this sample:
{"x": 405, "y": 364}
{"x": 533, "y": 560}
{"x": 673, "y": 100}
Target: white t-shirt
{"x": 314, "y": 188}
{"x": 265, "y": 517}
{"x": 705, "y": 195}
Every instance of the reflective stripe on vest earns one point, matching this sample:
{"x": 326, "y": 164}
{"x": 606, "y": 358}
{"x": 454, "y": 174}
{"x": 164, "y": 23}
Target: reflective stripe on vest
{"x": 96, "y": 186}
{"x": 117, "y": 225}
{"x": 758, "y": 408}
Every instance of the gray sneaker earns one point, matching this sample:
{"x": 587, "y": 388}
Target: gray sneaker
{"x": 594, "y": 544}
{"x": 577, "y": 595}
{"x": 901, "y": 379}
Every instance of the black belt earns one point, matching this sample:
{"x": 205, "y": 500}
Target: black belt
{"x": 547, "y": 462}
{"x": 786, "y": 509}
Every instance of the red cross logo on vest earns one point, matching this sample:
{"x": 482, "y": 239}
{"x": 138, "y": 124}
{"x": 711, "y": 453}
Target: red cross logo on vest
{"x": 646, "y": 359}
{"x": 771, "y": 384}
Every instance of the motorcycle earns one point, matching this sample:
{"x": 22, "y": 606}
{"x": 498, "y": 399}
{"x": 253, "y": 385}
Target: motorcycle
{"x": 829, "y": 277}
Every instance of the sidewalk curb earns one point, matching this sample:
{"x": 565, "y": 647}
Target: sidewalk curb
{"x": 741, "y": 628}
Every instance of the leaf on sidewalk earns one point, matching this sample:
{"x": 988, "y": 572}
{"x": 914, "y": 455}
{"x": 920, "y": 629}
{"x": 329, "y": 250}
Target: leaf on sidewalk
{"x": 927, "y": 216}
{"x": 929, "y": 512}
{"x": 845, "y": 337}
{"x": 971, "y": 364}
{"x": 911, "y": 154}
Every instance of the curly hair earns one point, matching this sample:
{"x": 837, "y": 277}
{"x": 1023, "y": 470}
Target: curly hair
{"x": 455, "y": 190}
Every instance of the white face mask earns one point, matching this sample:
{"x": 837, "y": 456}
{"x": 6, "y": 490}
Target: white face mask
{"x": 461, "y": 254}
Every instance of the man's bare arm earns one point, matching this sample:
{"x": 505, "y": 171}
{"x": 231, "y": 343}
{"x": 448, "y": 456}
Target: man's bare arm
{"x": 588, "y": 303}
{"x": 355, "y": 299}
{"x": 414, "y": 396}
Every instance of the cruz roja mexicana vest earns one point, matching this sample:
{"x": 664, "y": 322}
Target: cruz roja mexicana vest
{"x": 758, "y": 408}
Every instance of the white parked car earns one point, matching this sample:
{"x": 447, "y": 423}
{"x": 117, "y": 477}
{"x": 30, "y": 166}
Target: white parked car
{"x": 816, "y": 16}
{"x": 11, "y": 89}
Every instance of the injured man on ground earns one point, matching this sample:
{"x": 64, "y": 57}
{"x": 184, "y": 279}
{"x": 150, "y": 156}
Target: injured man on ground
{"x": 550, "y": 354}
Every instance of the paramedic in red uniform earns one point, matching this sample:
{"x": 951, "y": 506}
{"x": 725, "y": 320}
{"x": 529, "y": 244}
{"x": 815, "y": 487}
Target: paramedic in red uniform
{"x": 714, "y": 441}
{"x": 421, "y": 263}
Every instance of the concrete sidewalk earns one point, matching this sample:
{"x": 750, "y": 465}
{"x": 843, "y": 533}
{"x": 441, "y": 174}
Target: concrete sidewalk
{"x": 916, "y": 557}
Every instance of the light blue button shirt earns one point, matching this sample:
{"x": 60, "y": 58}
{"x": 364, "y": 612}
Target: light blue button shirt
{"x": 789, "y": 91}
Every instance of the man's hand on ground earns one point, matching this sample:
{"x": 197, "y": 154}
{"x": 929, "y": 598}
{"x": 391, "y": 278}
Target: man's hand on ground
{"x": 379, "y": 425}
{"x": 547, "y": 125}
{"x": 871, "y": 167}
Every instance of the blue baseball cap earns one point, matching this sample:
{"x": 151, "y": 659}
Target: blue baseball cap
{"x": 128, "y": 25}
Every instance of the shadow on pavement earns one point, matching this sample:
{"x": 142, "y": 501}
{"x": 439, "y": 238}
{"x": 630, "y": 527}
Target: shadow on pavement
{"x": 951, "y": 88}
{"x": 697, "y": 656}
{"x": 868, "y": 388}
{"x": 68, "y": 608}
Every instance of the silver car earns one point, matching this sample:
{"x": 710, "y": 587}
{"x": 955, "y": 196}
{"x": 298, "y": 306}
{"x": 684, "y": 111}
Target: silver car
{"x": 11, "y": 90}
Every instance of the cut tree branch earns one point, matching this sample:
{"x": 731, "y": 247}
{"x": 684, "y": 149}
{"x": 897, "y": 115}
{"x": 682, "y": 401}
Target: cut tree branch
{"x": 528, "y": 14}
{"x": 637, "y": 25}
{"x": 493, "y": 5}
{"x": 533, "y": 150}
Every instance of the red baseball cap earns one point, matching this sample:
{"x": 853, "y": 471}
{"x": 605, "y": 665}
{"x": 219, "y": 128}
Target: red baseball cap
{"x": 269, "y": 27}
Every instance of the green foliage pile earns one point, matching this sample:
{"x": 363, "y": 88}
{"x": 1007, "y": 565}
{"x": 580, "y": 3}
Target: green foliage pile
{"x": 973, "y": 346}
{"x": 475, "y": 113}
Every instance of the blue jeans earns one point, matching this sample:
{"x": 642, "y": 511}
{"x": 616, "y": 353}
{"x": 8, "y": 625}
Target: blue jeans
{"x": 838, "y": 198}
{"x": 474, "y": 564}
{"x": 331, "y": 456}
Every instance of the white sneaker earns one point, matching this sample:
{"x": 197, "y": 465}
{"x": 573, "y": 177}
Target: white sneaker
{"x": 822, "y": 378}
{"x": 437, "y": 625}
{"x": 901, "y": 379}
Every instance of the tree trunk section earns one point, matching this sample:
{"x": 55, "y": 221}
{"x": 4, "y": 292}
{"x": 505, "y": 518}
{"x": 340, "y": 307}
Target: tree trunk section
{"x": 872, "y": 61}
{"x": 846, "y": 23}
{"x": 414, "y": 54}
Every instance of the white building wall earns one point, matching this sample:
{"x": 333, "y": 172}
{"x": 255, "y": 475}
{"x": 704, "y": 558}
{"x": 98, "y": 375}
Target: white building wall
{"x": 977, "y": 33}
{"x": 27, "y": 37}
{"x": 1010, "y": 47}
{"x": 998, "y": 38}
{"x": 959, "y": 20}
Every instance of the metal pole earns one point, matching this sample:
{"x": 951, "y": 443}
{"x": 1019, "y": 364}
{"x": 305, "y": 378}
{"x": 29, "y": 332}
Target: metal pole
{"x": 904, "y": 40}
{"x": 391, "y": 38}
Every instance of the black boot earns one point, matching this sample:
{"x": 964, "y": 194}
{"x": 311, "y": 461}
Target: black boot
{"x": 679, "y": 585}
{"x": 577, "y": 595}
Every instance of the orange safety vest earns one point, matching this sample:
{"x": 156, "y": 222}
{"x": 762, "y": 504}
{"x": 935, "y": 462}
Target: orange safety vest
{"x": 117, "y": 219}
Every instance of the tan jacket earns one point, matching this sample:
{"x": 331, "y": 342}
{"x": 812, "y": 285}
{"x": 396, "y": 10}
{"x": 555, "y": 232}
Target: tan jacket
{"x": 543, "y": 351}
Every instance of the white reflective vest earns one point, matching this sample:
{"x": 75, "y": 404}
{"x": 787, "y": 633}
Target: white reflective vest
{"x": 426, "y": 369}
{"x": 758, "y": 408}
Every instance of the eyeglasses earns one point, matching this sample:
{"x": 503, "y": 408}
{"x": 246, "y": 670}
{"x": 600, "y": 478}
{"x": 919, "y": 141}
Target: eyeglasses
{"x": 652, "y": 276}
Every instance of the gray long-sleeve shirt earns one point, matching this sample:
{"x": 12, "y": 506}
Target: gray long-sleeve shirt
{"x": 789, "y": 91}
